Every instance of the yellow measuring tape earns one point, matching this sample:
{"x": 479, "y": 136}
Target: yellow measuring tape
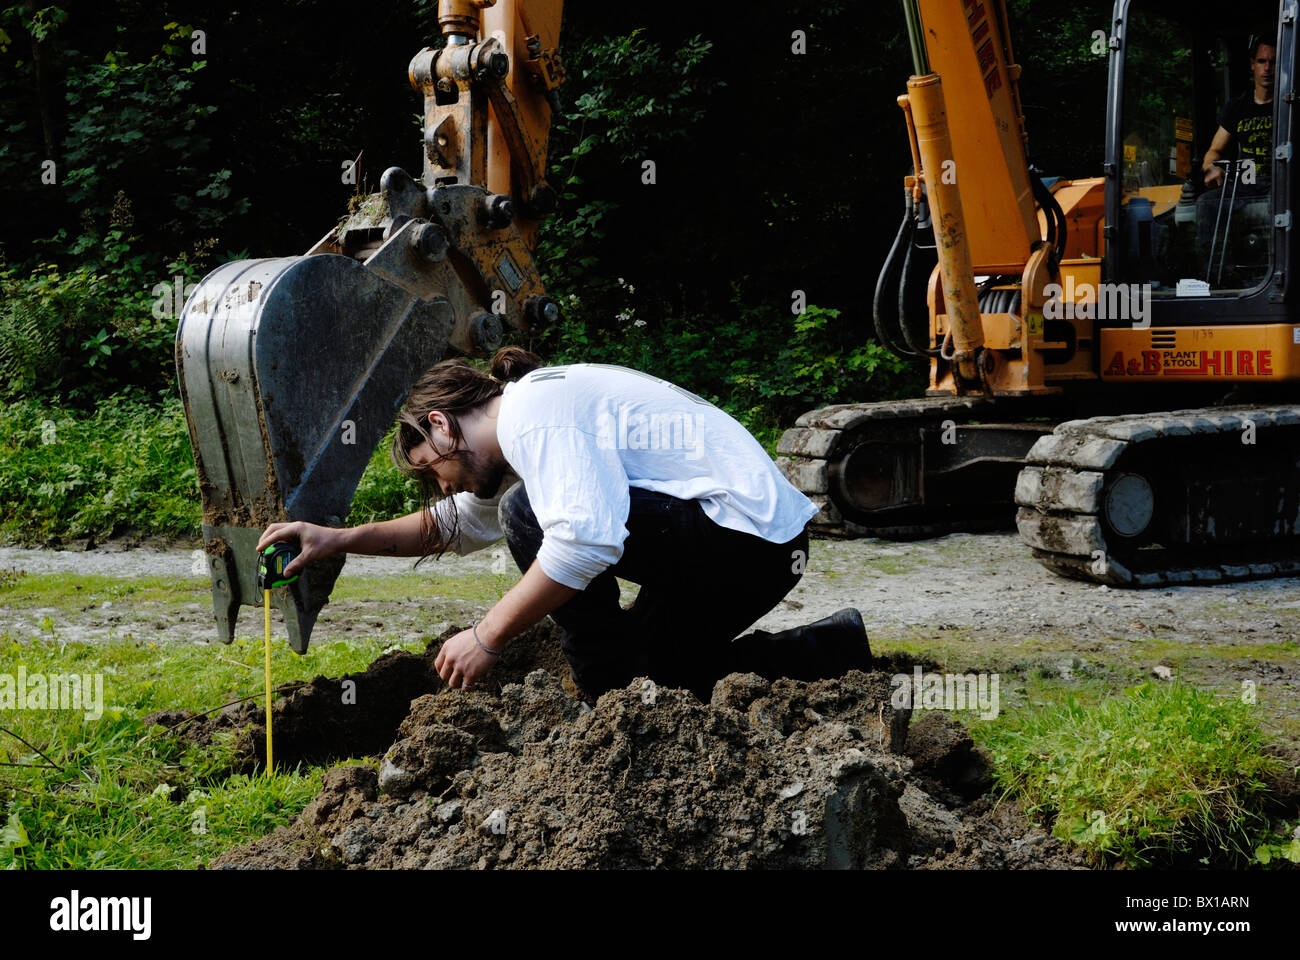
{"x": 266, "y": 600}
{"x": 270, "y": 573}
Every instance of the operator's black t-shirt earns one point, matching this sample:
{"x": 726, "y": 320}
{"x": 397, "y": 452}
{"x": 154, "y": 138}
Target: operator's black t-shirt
{"x": 1251, "y": 126}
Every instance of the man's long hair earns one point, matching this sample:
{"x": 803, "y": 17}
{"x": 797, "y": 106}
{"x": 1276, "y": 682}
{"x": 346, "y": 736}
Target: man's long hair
{"x": 454, "y": 388}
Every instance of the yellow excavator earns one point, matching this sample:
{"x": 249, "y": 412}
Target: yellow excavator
{"x": 1113, "y": 360}
{"x": 1083, "y": 336}
{"x": 292, "y": 369}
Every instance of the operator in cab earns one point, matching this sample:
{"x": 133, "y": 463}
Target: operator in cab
{"x": 590, "y": 473}
{"x": 1246, "y": 124}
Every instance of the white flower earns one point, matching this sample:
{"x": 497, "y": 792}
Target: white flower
{"x": 638, "y": 323}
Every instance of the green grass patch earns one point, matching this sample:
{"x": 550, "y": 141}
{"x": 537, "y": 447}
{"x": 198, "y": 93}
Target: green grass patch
{"x": 80, "y": 591}
{"x": 965, "y": 648}
{"x": 481, "y": 589}
{"x": 122, "y": 799}
{"x": 1164, "y": 774}
{"x": 1161, "y": 648}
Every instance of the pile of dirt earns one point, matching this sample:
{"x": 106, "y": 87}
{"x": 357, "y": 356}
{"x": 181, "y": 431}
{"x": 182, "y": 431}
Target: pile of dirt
{"x": 766, "y": 775}
{"x": 355, "y": 715}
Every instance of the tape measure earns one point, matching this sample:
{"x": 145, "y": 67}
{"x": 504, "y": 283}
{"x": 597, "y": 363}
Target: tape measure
{"x": 271, "y": 563}
{"x": 270, "y": 573}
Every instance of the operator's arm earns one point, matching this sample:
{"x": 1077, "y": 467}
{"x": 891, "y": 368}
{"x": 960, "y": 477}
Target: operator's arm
{"x": 1218, "y": 147}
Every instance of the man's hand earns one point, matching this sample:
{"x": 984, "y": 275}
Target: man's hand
{"x": 460, "y": 661}
{"x": 314, "y": 542}
{"x": 1214, "y": 177}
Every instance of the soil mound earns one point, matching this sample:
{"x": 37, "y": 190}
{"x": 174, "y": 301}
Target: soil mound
{"x": 521, "y": 775}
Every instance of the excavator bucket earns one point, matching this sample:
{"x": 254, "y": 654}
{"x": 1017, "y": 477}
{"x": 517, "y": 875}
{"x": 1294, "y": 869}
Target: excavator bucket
{"x": 292, "y": 369}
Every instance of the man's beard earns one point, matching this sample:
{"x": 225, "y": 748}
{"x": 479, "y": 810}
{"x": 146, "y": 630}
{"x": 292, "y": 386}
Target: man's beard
{"x": 482, "y": 477}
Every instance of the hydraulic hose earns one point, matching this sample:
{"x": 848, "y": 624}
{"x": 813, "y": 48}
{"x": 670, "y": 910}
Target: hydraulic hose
{"x": 1057, "y": 226}
{"x": 884, "y": 286}
{"x": 921, "y": 347}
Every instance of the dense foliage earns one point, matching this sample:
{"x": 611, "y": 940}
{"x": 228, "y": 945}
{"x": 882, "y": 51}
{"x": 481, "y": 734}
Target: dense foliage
{"x": 144, "y": 144}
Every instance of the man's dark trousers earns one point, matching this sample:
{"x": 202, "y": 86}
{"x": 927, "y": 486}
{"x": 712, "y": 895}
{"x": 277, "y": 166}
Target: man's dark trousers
{"x": 701, "y": 585}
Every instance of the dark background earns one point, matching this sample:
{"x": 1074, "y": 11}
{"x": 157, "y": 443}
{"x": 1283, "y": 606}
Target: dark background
{"x": 776, "y": 172}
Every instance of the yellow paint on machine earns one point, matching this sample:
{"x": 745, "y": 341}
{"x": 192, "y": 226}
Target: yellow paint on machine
{"x": 1237, "y": 353}
{"x": 968, "y": 49}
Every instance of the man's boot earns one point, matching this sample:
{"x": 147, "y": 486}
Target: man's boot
{"x": 819, "y": 651}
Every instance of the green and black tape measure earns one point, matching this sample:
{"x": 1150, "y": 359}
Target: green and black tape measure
{"x": 271, "y": 563}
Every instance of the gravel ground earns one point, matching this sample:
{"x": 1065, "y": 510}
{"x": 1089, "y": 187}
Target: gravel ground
{"x": 962, "y": 580}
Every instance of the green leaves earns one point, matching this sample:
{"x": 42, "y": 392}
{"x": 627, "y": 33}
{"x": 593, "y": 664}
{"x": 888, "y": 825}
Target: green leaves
{"x": 13, "y": 835}
{"x": 125, "y": 466}
{"x": 1288, "y": 850}
{"x": 96, "y": 347}
{"x": 136, "y": 125}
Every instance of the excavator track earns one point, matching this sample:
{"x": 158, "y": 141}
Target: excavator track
{"x": 890, "y": 469}
{"x": 1208, "y": 495}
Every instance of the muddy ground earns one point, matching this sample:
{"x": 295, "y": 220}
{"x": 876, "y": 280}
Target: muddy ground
{"x": 519, "y": 774}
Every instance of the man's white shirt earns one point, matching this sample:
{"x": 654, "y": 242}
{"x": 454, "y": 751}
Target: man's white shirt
{"x": 579, "y": 436}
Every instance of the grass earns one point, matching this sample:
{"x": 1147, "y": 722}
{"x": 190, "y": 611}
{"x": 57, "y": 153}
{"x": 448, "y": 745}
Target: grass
{"x": 1162, "y": 774}
{"x": 891, "y": 565}
{"x": 77, "y": 592}
{"x": 118, "y": 799}
{"x": 1147, "y": 775}
{"x": 1142, "y": 776}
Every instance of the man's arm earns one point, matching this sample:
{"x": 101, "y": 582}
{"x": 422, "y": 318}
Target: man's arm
{"x": 461, "y": 660}
{"x": 1218, "y": 147}
{"x": 472, "y": 519}
{"x": 402, "y": 537}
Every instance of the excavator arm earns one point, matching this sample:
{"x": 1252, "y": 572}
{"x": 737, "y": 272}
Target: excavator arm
{"x": 988, "y": 209}
{"x": 292, "y": 369}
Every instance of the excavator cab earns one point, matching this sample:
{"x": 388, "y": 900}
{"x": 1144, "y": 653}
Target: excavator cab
{"x": 292, "y": 369}
{"x": 1210, "y": 249}
{"x": 1176, "y": 81}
